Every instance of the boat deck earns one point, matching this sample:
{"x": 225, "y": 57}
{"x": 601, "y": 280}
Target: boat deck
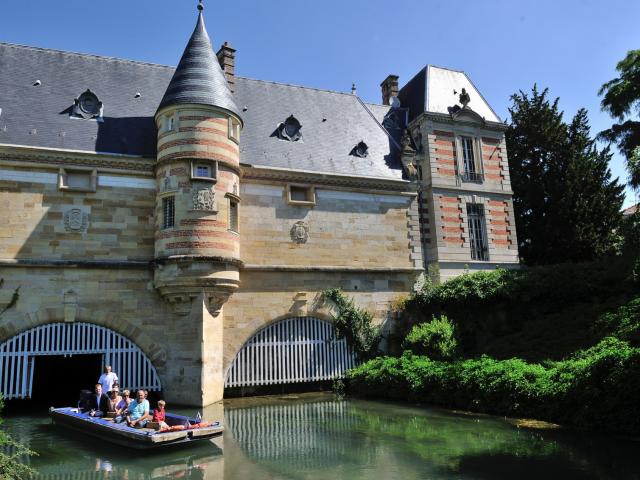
{"x": 143, "y": 438}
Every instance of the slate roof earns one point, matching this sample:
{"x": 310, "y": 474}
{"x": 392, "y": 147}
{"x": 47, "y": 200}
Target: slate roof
{"x": 432, "y": 90}
{"x": 198, "y": 78}
{"x": 38, "y": 116}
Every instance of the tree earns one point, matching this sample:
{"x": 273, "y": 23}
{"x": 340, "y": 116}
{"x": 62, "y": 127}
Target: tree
{"x": 621, "y": 96}
{"x": 566, "y": 204}
{"x": 11, "y": 452}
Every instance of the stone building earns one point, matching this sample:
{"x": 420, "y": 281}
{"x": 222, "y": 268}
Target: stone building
{"x": 181, "y": 223}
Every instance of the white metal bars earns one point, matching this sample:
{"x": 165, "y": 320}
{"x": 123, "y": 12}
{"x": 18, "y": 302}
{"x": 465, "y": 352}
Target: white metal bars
{"x": 17, "y": 354}
{"x": 299, "y": 349}
{"x": 293, "y": 436}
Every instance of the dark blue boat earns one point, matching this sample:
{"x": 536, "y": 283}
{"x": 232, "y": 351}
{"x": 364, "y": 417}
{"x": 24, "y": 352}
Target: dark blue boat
{"x": 140, "y": 438}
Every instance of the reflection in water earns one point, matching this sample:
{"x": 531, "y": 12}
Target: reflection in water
{"x": 300, "y": 436}
{"x": 318, "y": 437}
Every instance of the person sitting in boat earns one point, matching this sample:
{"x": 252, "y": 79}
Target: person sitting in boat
{"x": 98, "y": 403}
{"x": 114, "y": 400}
{"x": 122, "y": 407}
{"x": 158, "y": 415}
{"x": 108, "y": 379}
{"x": 138, "y": 411}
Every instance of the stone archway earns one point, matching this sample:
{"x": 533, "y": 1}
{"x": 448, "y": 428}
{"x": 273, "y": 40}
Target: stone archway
{"x": 17, "y": 355}
{"x": 295, "y": 349}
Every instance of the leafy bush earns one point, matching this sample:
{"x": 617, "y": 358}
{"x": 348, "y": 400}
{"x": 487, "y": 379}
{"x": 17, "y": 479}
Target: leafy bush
{"x": 355, "y": 324}
{"x": 536, "y": 313}
{"x": 435, "y": 339}
{"x": 12, "y": 455}
{"x": 624, "y": 323}
{"x": 597, "y": 388}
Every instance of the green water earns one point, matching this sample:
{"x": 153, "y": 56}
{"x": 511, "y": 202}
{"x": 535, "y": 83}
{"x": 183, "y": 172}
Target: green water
{"x": 320, "y": 437}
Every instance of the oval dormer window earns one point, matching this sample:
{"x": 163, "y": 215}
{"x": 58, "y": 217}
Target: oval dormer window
{"x": 289, "y": 130}
{"x": 360, "y": 150}
{"x": 87, "y": 105}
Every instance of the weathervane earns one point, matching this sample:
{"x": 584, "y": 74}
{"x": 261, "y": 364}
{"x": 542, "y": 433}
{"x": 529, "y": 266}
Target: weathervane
{"x": 200, "y": 5}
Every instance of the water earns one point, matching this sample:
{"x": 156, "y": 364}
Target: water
{"x": 319, "y": 437}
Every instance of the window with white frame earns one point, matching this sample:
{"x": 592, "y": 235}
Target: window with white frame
{"x": 204, "y": 170}
{"x": 168, "y": 123}
{"x": 477, "y": 232}
{"x": 234, "y": 129}
{"x": 168, "y": 211}
{"x": 470, "y": 164}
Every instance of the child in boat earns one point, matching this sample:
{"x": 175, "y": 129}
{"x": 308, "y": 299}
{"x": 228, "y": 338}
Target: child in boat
{"x": 158, "y": 415}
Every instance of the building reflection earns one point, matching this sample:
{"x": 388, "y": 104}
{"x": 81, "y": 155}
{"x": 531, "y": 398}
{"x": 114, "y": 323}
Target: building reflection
{"x": 295, "y": 437}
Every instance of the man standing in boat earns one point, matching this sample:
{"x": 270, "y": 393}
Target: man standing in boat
{"x": 107, "y": 379}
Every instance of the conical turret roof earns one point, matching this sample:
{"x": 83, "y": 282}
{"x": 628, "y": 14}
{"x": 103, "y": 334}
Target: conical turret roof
{"x": 198, "y": 78}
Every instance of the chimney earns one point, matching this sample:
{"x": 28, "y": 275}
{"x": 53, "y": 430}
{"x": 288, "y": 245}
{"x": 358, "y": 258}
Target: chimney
{"x": 227, "y": 59}
{"x": 389, "y": 89}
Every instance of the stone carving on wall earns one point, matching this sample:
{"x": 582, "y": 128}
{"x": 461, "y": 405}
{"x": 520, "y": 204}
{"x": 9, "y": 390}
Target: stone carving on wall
{"x": 204, "y": 199}
{"x": 75, "y": 220}
{"x": 300, "y": 232}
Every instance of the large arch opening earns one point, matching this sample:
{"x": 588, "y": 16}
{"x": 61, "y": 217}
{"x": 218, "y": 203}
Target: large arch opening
{"x": 297, "y": 351}
{"x": 51, "y": 363}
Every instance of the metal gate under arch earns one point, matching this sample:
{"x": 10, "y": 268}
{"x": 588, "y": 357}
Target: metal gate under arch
{"x": 298, "y": 349}
{"x": 17, "y": 355}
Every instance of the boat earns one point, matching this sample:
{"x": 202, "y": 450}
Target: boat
{"x": 182, "y": 430}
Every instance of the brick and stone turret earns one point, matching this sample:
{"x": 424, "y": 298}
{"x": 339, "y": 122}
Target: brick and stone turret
{"x": 197, "y": 246}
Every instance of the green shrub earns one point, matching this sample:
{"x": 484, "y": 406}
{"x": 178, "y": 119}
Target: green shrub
{"x": 435, "y": 339}
{"x": 624, "y": 323}
{"x": 538, "y": 313}
{"x": 12, "y": 456}
{"x": 597, "y": 388}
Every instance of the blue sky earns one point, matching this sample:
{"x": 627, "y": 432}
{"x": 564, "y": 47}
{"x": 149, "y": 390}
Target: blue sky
{"x": 571, "y": 47}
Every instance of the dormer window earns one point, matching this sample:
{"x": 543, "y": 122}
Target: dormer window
{"x": 289, "y": 130}
{"x": 204, "y": 170}
{"x": 87, "y": 106}
{"x": 361, "y": 150}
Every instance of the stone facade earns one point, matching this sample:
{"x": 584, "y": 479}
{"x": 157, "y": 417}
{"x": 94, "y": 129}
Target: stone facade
{"x": 445, "y": 194}
{"x": 358, "y": 239}
{"x": 190, "y": 250}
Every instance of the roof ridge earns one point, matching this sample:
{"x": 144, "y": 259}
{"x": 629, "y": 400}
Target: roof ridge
{"x": 87, "y": 55}
{"x": 297, "y": 86}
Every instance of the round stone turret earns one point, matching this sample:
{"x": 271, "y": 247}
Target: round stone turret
{"x": 197, "y": 245}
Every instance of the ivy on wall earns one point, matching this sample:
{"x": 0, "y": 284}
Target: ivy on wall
{"x": 354, "y": 324}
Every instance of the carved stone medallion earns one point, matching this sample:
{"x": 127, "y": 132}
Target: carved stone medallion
{"x": 204, "y": 199}
{"x": 300, "y": 232}
{"x": 75, "y": 220}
